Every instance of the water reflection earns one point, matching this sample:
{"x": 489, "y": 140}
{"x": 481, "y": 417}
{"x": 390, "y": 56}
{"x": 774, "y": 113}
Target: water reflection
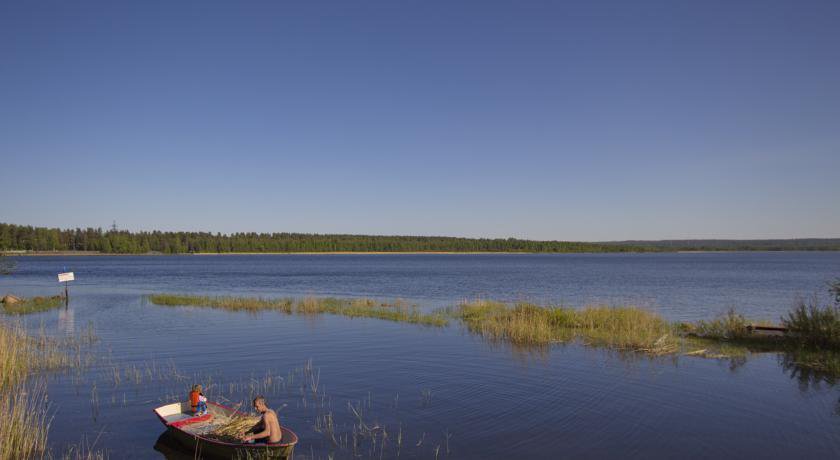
{"x": 67, "y": 320}
{"x": 169, "y": 447}
{"x": 812, "y": 370}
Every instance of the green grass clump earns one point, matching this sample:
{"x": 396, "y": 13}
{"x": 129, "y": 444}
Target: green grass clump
{"x": 624, "y": 328}
{"x": 814, "y": 326}
{"x": 33, "y": 305}
{"x": 252, "y": 304}
{"x": 730, "y": 326}
{"x": 397, "y": 311}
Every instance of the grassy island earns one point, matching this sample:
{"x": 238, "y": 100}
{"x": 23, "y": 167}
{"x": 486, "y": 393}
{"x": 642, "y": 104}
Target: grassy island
{"x": 809, "y": 335}
{"x": 33, "y": 305}
{"x": 397, "y": 310}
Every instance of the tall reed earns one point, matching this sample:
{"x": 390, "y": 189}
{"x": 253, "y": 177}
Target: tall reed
{"x": 813, "y": 325}
{"x": 23, "y": 414}
{"x": 25, "y": 423}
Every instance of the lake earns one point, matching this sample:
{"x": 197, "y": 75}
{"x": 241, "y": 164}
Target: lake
{"x": 425, "y": 392}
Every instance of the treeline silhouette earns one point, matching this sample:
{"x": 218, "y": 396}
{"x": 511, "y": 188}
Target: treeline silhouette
{"x": 27, "y": 238}
{"x": 797, "y": 244}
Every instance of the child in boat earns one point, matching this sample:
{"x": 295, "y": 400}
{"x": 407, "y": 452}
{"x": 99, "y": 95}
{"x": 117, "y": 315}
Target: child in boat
{"x": 195, "y": 398}
{"x": 202, "y": 403}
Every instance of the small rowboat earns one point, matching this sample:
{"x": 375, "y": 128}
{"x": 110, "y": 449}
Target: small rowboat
{"x": 191, "y": 432}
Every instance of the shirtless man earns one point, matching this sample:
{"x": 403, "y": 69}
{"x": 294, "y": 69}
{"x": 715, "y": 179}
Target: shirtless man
{"x": 268, "y": 428}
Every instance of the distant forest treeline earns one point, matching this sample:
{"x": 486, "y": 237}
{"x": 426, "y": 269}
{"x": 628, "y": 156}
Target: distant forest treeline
{"x": 799, "y": 244}
{"x": 19, "y": 237}
{"x": 27, "y": 238}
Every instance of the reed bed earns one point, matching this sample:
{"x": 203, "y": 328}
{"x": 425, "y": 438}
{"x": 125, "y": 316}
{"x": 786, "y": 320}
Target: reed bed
{"x": 397, "y": 311}
{"x": 21, "y": 355}
{"x": 24, "y": 421}
{"x": 813, "y": 325}
{"x": 624, "y": 328}
{"x": 24, "y": 424}
{"x": 812, "y": 340}
{"x": 33, "y": 305}
{"x": 536, "y": 327}
{"x": 251, "y": 304}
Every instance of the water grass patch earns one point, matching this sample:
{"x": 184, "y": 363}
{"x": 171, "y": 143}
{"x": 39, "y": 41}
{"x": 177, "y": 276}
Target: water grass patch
{"x": 397, "y": 311}
{"x": 33, "y": 305}
{"x": 624, "y": 328}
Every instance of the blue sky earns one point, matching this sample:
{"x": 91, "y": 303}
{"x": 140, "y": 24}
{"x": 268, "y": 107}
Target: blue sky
{"x": 547, "y": 120}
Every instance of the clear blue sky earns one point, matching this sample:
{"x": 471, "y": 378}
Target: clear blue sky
{"x": 549, "y": 120}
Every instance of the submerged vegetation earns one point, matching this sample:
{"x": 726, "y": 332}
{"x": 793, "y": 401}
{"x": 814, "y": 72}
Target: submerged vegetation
{"x": 398, "y": 311}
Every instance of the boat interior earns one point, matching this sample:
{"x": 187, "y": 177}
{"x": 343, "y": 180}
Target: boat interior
{"x": 180, "y": 415}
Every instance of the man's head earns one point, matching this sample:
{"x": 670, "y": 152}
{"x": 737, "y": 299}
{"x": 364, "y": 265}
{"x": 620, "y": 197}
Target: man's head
{"x": 259, "y": 404}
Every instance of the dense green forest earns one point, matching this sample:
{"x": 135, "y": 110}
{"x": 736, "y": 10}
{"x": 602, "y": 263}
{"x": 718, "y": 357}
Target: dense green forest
{"x": 19, "y": 237}
{"x": 27, "y": 238}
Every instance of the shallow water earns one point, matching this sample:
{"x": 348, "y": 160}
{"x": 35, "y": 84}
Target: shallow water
{"x": 442, "y": 388}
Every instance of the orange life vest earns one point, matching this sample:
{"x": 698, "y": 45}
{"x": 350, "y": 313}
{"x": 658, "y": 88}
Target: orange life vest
{"x": 194, "y": 399}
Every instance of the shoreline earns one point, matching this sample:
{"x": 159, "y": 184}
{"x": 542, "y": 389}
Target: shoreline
{"x": 326, "y": 253}
{"x": 312, "y": 253}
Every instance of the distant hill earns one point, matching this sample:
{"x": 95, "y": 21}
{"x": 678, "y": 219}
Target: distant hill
{"x": 797, "y": 244}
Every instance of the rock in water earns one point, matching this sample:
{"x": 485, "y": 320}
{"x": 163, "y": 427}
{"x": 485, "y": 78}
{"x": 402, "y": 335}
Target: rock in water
{"x": 10, "y": 299}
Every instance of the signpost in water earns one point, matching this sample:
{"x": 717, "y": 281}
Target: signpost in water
{"x": 65, "y": 278}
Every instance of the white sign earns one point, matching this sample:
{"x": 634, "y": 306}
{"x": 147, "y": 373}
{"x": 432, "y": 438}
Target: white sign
{"x": 65, "y": 277}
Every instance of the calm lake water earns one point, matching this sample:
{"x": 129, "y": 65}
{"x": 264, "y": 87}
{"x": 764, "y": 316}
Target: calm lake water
{"x": 435, "y": 391}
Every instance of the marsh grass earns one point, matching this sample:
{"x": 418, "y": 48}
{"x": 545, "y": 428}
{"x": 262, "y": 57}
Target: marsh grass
{"x": 22, "y": 355}
{"x": 623, "y": 328}
{"x": 814, "y": 326}
{"x": 251, "y": 304}
{"x": 24, "y": 421}
{"x": 397, "y": 311}
{"x": 33, "y": 305}
{"x": 23, "y": 414}
{"x": 730, "y": 326}
{"x": 810, "y": 350}
{"x": 814, "y": 330}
